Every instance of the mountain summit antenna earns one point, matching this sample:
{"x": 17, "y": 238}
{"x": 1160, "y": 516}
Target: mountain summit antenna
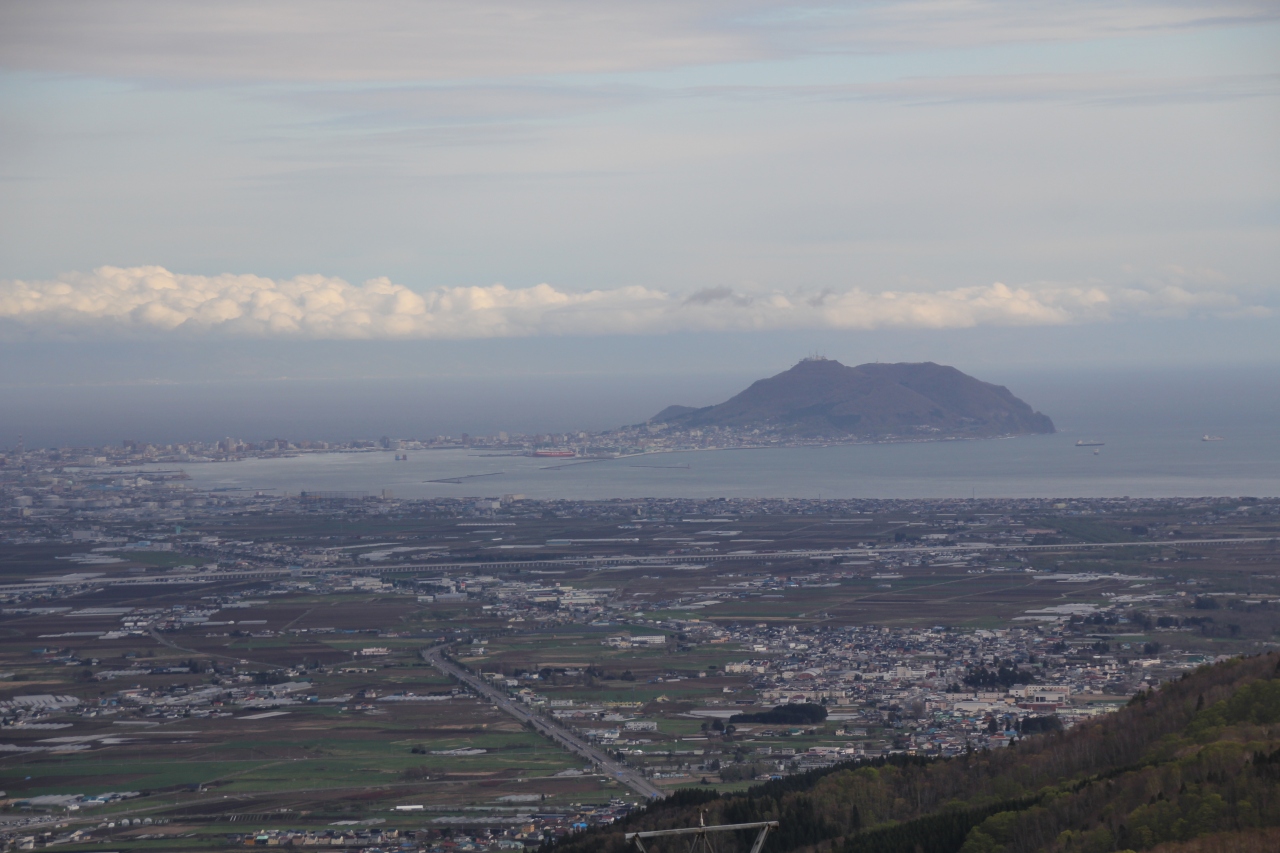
{"x": 700, "y": 843}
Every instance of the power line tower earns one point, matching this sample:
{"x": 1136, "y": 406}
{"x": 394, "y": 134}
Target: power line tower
{"x": 700, "y": 840}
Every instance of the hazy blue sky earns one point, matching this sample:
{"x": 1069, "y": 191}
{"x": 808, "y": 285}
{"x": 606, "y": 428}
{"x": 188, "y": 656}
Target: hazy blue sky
{"x": 221, "y": 190}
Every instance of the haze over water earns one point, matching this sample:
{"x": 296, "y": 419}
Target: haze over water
{"x": 1151, "y": 425}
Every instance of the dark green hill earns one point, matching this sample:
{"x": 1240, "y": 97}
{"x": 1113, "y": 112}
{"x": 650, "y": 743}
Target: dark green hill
{"x": 821, "y": 397}
{"x": 1191, "y": 768}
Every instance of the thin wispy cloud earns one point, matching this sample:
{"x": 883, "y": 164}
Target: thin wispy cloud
{"x": 336, "y": 41}
{"x": 113, "y": 301}
{"x": 1089, "y": 89}
{"x": 332, "y": 40}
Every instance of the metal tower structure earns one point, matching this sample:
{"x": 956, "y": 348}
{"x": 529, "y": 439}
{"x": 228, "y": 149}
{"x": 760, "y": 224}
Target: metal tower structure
{"x": 700, "y": 840}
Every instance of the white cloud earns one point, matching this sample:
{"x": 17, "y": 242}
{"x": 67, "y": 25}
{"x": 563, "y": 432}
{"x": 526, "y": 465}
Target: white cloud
{"x": 115, "y": 301}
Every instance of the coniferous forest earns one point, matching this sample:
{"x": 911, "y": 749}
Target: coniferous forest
{"x": 1193, "y": 767}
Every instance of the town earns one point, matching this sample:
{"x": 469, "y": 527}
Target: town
{"x": 633, "y": 440}
{"x": 495, "y": 672}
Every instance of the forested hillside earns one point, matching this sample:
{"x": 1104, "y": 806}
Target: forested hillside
{"x": 1191, "y": 768}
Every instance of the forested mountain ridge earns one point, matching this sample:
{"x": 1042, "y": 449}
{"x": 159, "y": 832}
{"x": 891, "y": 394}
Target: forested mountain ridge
{"x": 1193, "y": 767}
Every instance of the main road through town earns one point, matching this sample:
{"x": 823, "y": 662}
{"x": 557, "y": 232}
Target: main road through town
{"x": 553, "y": 730}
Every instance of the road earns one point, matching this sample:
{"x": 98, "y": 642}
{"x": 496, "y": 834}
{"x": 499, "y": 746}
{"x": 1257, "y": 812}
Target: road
{"x": 628, "y": 776}
{"x": 162, "y": 640}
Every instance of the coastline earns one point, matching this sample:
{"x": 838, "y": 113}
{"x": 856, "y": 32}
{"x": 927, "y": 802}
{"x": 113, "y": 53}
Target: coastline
{"x": 582, "y": 460}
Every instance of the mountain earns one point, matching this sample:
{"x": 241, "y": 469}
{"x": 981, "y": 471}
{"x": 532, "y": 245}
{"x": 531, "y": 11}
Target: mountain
{"x": 1193, "y": 767}
{"x": 822, "y": 397}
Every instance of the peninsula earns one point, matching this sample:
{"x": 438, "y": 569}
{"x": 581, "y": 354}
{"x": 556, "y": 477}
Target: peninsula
{"x": 817, "y": 402}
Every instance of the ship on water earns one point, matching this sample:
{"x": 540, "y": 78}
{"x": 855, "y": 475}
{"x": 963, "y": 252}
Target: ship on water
{"x": 554, "y": 454}
{"x": 1084, "y": 443}
{"x": 1208, "y": 437}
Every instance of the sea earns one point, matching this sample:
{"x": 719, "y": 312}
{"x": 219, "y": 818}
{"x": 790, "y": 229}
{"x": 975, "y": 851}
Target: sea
{"x": 1150, "y": 420}
{"x": 1151, "y": 427}
{"x": 1024, "y": 467}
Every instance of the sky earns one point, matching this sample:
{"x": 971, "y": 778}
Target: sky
{"x": 227, "y": 191}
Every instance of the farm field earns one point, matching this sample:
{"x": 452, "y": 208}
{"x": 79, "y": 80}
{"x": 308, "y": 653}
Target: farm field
{"x": 225, "y": 680}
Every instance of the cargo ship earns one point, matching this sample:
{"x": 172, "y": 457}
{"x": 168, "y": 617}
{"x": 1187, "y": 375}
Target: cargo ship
{"x": 1208, "y": 437}
{"x": 554, "y": 454}
{"x": 1083, "y": 443}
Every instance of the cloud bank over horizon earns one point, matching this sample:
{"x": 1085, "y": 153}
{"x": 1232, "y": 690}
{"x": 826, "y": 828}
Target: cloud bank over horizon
{"x": 112, "y": 302}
